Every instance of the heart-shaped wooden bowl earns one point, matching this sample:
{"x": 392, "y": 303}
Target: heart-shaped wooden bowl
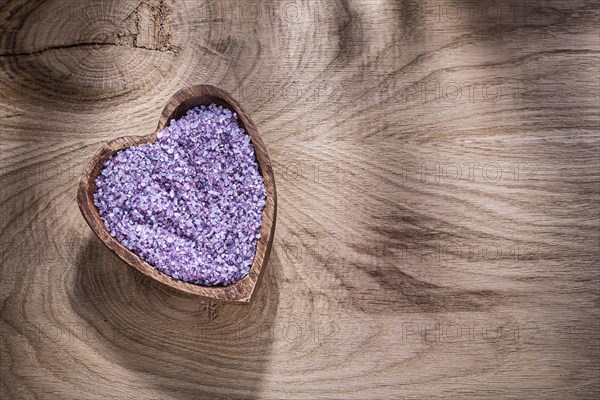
{"x": 240, "y": 291}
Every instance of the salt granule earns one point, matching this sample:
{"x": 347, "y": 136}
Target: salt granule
{"x": 191, "y": 203}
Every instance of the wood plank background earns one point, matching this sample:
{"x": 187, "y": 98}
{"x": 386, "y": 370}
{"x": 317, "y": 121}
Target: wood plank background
{"x": 438, "y": 174}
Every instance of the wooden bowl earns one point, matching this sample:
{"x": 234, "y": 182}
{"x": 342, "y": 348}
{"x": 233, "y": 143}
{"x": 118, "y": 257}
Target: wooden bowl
{"x": 240, "y": 291}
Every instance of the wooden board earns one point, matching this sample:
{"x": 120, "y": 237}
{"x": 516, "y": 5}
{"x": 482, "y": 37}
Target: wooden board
{"x": 437, "y": 169}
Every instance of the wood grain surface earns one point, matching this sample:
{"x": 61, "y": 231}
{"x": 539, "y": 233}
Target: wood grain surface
{"x": 438, "y": 181}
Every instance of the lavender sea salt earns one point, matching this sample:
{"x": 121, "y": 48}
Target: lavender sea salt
{"x": 191, "y": 203}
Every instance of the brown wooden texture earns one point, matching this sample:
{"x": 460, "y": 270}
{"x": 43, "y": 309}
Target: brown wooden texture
{"x": 438, "y": 180}
{"x": 176, "y": 107}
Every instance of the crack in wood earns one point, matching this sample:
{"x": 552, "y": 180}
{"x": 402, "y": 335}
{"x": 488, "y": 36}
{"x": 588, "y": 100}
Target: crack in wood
{"x": 80, "y": 45}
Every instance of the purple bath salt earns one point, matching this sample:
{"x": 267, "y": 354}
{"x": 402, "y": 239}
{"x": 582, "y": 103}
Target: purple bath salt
{"x": 191, "y": 203}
